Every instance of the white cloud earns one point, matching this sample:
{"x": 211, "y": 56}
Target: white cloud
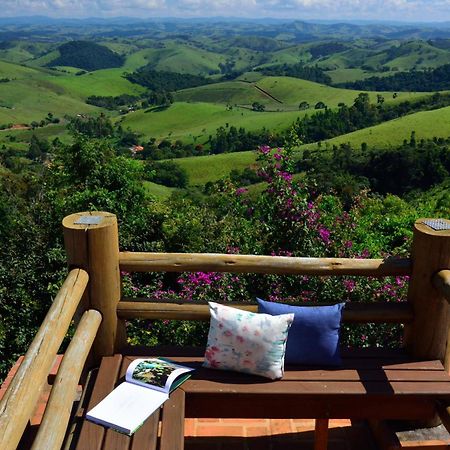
{"x": 429, "y": 10}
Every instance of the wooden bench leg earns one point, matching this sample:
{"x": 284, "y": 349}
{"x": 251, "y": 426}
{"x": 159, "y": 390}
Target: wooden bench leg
{"x": 321, "y": 434}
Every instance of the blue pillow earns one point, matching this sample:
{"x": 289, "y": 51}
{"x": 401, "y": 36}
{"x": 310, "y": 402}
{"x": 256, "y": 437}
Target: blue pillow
{"x": 314, "y": 335}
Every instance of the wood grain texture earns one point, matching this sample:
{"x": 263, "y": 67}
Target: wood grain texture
{"x": 353, "y": 312}
{"x": 209, "y": 262}
{"x": 426, "y": 337}
{"x": 20, "y": 399}
{"x": 96, "y": 249}
{"x": 57, "y": 413}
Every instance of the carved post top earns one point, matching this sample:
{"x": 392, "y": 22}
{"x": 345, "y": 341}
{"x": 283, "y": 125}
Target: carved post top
{"x": 433, "y": 227}
{"x": 88, "y": 220}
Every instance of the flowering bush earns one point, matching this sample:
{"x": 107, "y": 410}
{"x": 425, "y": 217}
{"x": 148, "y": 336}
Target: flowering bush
{"x": 288, "y": 218}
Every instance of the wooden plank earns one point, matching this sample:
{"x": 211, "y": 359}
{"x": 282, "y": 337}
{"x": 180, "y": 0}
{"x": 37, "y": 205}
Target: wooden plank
{"x": 146, "y": 437}
{"x": 211, "y": 262}
{"x": 92, "y": 435}
{"x": 59, "y": 407}
{"x": 172, "y": 429}
{"x": 353, "y": 312}
{"x": 19, "y": 401}
{"x": 321, "y": 388}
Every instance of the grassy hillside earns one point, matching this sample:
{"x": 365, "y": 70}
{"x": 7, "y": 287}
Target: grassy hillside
{"x": 101, "y": 82}
{"x": 177, "y": 57}
{"x": 426, "y": 124}
{"x": 158, "y": 191}
{"x": 202, "y": 169}
{"x": 32, "y": 94}
{"x": 194, "y": 122}
{"x": 289, "y": 91}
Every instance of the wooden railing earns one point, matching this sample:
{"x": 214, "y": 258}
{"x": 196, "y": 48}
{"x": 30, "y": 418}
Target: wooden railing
{"x": 19, "y": 401}
{"x": 129, "y": 308}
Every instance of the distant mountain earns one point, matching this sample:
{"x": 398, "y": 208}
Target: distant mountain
{"x": 300, "y": 31}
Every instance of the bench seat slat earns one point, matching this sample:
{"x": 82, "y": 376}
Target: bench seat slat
{"x": 92, "y": 435}
{"x": 172, "y": 432}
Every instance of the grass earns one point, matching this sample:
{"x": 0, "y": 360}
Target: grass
{"x": 202, "y": 169}
{"x": 27, "y": 100}
{"x": 176, "y": 57}
{"x": 290, "y": 91}
{"x": 195, "y": 122}
{"x": 158, "y": 191}
{"x": 105, "y": 82}
{"x": 426, "y": 124}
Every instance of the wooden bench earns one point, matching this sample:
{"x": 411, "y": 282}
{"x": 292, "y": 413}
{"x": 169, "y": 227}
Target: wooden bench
{"x": 369, "y": 385}
{"x": 410, "y": 383}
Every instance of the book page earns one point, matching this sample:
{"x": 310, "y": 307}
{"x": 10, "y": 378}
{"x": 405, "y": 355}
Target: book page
{"x": 127, "y": 407}
{"x": 155, "y": 373}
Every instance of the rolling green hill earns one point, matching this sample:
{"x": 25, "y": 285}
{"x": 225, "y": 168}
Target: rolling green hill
{"x": 194, "y": 122}
{"x": 31, "y": 94}
{"x": 106, "y": 82}
{"x": 289, "y": 91}
{"x": 176, "y": 57}
{"x": 426, "y": 124}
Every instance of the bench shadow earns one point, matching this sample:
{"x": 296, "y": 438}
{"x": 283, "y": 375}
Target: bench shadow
{"x": 341, "y": 438}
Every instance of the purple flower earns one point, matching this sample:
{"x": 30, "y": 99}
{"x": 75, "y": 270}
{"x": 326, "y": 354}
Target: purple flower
{"x": 241, "y": 190}
{"x": 325, "y": 235}
{"x": 349, "y": 285}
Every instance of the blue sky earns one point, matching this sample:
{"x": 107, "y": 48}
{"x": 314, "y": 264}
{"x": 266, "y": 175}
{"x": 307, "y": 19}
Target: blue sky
{"x": 402, "y": 10}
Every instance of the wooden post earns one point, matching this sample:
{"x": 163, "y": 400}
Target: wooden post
{"x": 426, "y": 336}
{"x": 321, "y": 434}
{"x": 92, "y": 243}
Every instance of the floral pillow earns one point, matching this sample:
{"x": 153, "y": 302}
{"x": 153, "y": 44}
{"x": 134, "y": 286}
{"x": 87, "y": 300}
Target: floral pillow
{"x": 247, "y": 342}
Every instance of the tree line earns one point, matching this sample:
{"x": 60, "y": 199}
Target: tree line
{"x": 437, "y": 79}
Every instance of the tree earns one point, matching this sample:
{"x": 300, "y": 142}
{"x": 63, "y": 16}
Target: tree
{"x": 256, "y": 106}
{"x": 303, "y": 105}
{"x": 320, "y": 105}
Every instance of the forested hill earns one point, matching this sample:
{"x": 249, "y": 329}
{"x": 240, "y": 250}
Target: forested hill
{"x": 87, "y": 55}
{"x": 420, "y": 81}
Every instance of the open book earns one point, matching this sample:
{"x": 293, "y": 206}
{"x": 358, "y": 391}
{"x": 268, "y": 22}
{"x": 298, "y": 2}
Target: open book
{"x": 147, "y": 385}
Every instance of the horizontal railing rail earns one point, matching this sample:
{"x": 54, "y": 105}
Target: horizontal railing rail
{"x": 283, "y": 265}
{"x": 378, "y": 312}
{"x": 57, "y": 412}
{"x": 441, "y": 281}
{"x": 19, "y": 401}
